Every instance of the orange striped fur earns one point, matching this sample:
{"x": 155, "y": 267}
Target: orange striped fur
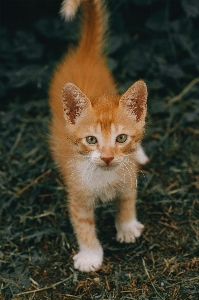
{"x": 96, "y": 135}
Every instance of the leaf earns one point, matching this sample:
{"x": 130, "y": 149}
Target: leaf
{"x": 37, "y": 258}
{"x": 143, "y": 2}
{"x": 136, "y": 60}
{"x": 191, "y": 7}
{"x": 112, "y": 64}
{"x": 172, "y": 71}
{"x": 114, "y": 43}
{"x": 28, "y": 74}
{"x": 191, "y": 117}
{"x": 37, "y": 235}
{"x": 158, "y": 21}
{"x": 6, "y": 205}
{"x": 156, "y": 84}
{"x": 57, "y": 28}
{"x": 159, "y": 107}
{"x": 183, "y": 26}
{"x": 27, "y": 46}
{"x": 2, "y": 89}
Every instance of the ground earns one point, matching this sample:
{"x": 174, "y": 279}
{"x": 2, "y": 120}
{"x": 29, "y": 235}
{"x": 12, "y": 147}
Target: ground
{"x": 36, "y": 238}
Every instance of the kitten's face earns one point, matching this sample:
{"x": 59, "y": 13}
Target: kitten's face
{"x": 106, "y": 147}
{"x": 107, "y": 131}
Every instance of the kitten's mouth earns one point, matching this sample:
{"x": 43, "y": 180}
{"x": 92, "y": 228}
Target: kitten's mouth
{"x": 108, "y": 167}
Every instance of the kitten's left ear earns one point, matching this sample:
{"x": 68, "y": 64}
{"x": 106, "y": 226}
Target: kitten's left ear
{"x": 134, "y": 100}
{"x": 74, "y": 102}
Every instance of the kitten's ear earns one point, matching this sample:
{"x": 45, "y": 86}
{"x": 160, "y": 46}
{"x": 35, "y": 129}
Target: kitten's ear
{"x": 74, "y": 102}
{"x": 134, "y": 100}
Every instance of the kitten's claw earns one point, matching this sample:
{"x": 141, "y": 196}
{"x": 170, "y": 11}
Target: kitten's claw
{"x": 128, "y": 232}
{"x": 88, "y": 260}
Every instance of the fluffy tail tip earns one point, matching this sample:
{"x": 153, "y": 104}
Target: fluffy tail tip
{"x": 69, "y": 9}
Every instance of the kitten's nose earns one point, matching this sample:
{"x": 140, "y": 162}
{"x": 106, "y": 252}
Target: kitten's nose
{"x": 107, "y": 160}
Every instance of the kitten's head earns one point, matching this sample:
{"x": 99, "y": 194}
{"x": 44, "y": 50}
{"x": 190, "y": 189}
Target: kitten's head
{"x": 107, "y": 128}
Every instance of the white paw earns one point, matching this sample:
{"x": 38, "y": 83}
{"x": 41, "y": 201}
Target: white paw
{"x": 141, "y": 156}
{"x": 88, "y": 260}
{"x": 128, "y": 232}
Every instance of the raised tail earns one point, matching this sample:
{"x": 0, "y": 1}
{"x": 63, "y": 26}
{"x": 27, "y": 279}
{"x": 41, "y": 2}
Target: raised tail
{"x": 94, "y": 23}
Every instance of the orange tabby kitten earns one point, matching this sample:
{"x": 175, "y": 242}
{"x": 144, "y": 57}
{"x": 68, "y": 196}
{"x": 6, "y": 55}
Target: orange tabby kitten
{"x": 95, "y": 135}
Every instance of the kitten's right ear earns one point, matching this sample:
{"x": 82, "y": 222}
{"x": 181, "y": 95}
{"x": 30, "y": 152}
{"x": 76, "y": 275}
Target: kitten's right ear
{"x": 74, "y": 102}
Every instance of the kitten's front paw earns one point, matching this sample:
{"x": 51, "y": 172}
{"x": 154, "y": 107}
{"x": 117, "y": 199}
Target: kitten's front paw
{"x": 88, "y": 260}
{"x": 127, "y": 232}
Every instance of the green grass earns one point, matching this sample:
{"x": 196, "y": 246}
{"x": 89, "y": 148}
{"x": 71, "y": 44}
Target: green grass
{"x": 37, "y": 242}
{"x": 36, "y": 238}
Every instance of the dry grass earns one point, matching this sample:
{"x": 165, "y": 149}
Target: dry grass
{"x": 36, "y": 238}
{"x": 37, "y": 242}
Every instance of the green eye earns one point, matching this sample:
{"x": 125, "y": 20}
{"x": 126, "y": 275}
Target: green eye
{"x": 121, "y": 138}
{"x": 91, "y": 139}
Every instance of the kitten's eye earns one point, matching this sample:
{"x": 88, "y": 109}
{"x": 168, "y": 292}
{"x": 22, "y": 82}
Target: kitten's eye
{"x": 91, "y": 139}
{"x": 121, "y": 138}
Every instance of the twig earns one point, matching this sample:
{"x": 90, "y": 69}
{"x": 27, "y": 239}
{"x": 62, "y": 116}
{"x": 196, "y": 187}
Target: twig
{"x": 33, "y": 182}
{"x": 44, "y": 288}
{"x": 184, "y": 91}
{"x": 71, "y": 296}
{"x": 49, "y": 213}
{"x": 147, "y": 273}
{"x": 168, "y": 225}
{"x": 17, "y": 140}
{"x": 34, "y": 282}
{"x": 9, "y": 281}
{"x": 183, "y": 281}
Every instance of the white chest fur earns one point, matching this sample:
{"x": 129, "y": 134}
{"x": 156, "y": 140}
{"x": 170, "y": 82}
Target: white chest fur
{"x": 100, "y": 182}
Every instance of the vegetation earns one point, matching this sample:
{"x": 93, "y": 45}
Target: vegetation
{"x": 154, "y": 40}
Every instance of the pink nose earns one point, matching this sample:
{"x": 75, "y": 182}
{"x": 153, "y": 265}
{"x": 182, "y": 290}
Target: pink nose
{"x": 107, "y": 160}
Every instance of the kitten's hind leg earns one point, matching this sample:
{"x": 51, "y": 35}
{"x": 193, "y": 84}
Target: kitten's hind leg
{"x": 140, "y": 156}
{"x": 90, "y": 256}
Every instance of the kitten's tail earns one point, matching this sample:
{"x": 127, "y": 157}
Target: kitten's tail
{"x": 94, "y": 23}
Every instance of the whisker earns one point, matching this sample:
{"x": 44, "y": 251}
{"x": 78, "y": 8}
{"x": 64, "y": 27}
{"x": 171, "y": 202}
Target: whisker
{"x": 130, "y": 162}
{"x": 130, "y": 154}
{"x": 69, "y": 162}
{"x": 135, "y": 174}
{"x": 124, "y": 177}
{"x": 123, "y": 173}
{"x": 130, "y": 165}
{"x": 129, "y": 174}
{"x": 74, "y": 173}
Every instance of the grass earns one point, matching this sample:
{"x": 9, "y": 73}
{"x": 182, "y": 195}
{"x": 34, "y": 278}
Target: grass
{"x": 37, "y": 242}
